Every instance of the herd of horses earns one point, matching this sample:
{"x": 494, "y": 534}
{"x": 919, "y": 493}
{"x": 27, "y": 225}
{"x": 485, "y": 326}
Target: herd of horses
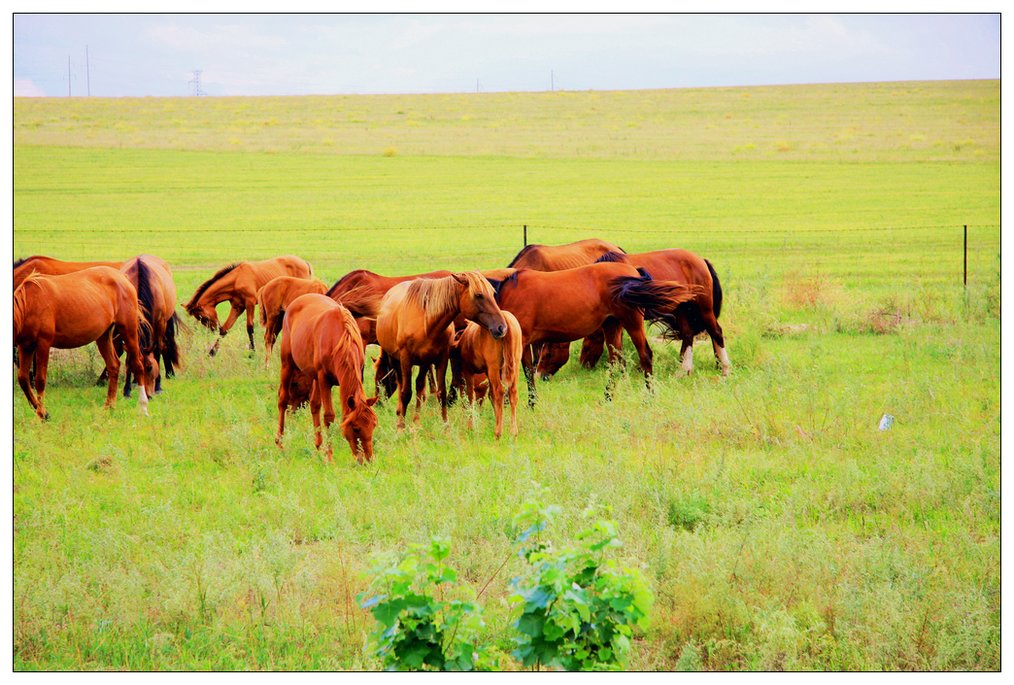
{"x": 489, "y": 325}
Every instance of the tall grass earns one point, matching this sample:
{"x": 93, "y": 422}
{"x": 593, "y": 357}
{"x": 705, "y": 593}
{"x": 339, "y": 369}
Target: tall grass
{"x": 779, "y": 528}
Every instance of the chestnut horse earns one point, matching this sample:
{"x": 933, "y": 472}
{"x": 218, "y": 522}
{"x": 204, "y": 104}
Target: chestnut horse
{"x": 274, "y": 297}
{"x": 361, "y": 292}
{"x": 477, "y": 354}
{"x": 549, "y": 356}
{"x": 690, "y": 318}
{"x": 71, "y": 311}
{"x": 561, "y": 306}
{"x": 51, "y": 267}
{"x": 156, "y": 294}
{"x": 320, "y": 339}
{"x": 238, "y": 284}
{"x": 415, "y": 326}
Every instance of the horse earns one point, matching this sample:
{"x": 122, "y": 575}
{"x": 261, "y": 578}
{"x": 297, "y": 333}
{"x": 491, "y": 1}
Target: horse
{"x": 559, "y": 257}
{"x": 693, "y": 317}
{"x": 238, "y": 284}
{"x": 415, "y": 326}
{"x": 562, "y": 306}
{"x": 361, "y": 291}
{"x": 552, "y": 356}
{"x": 476, "y": 352}
{"x": 156, "y": 294}
{"x": 274, "y": 297}
{"x": 320, "y": 339}
{"x": 72, "y": 310}
{"x": 51, "y": 267}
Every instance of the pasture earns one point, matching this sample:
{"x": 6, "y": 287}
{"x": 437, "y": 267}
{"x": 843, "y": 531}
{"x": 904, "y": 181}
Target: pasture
{"x": 777, "y": 526}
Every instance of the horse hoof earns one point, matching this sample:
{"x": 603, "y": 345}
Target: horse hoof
{"x": 44, "y": 416}
{"x": 211, "y": 352}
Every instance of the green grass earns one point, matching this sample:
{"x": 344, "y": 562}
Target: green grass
{"x": 778, "y": 527}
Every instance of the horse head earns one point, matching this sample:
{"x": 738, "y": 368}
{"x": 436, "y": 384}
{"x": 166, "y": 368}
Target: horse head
{"x": 205, "y": 314}
{"x": 478, "y": 303}
{"x": 358, "y": 425}
{"x": 552, "y": 357}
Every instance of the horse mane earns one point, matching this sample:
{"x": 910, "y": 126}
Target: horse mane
{"x": 146, "y": 300}
{"x": 613, "y": 256}
{"x": 523, "y": 253}
{"x": 512, "y": 351}
{"x": 207, "y": 284}
{"x": 498, "y": 285}
{"x": 24, "y": 260}
{"x": 348, "y": 357}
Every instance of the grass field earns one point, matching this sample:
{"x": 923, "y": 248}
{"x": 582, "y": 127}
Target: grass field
{"x": 778, "y": 527}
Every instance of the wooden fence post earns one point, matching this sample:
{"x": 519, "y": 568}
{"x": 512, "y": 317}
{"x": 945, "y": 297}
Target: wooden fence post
{"x": 965, "y": 273}
{"x": 526, "y": 235}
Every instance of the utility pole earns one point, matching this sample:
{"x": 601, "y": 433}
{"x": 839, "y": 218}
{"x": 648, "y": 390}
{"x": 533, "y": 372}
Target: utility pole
{"x": 196, "y": 83}
{"x": 88, "y": 73}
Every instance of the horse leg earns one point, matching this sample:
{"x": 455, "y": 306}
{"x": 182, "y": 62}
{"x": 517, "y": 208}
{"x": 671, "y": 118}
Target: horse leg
{"x": 440, "y": 368}
{"x": 26, "y": 358}
{"x": 420, "y": 391}
{"x": 283, "y": 395}
{"x": 324, "y": 390}
{"x": 315, "y": 405}
{"x": 234, "y": 311}
{"x": 496, "y": 390}
{"x": 513, "y": 395}
{"x": 635, "y": 329}
{"x": 134, "y": 361}
{"x": 527, "y": 363}
{"x": 612, "y": 335}
{"x": 686, "y": 334}
{"x": 250, "y": 322}
{"x": 717, "y": 340}
{"x": 404, "y": 388}
{"x": 112, "y": 360}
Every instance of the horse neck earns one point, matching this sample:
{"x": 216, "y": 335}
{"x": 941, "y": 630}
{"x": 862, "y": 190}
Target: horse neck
{"x": 221, "y": 290}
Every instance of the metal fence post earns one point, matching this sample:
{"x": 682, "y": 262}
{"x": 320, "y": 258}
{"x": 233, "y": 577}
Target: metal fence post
{"x": 965, "y": 273}
{"x": 526, "y": 235}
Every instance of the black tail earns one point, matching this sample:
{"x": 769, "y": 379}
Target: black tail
{"x": 657, "y": 300}
{"x": 170, "y": 349}
{"x": 146, "y": 299}
{"x": 716, "y": 290}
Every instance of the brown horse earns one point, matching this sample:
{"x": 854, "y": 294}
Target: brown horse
{"x": 274, "y": 297}
{"x": 156, "y": 294}
{"x": 415, "y": 326}
{"x": 561, "y": 306}
{"x": 559, "y": 257}
{"x": 73, "y": 310}
{"x": 551, "y": 356}
{"x": 478, "y": 352}
{"x": 238, "y": 284}
{"x": 361, "y": 292}
{"x": 690, "y": 318}
{"x": 51, "y": 267}
{"x": 320, "y": 339}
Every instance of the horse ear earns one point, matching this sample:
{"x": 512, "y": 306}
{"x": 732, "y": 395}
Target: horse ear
{"x": 370, "y": 401}
{"x": 460, "y": 278}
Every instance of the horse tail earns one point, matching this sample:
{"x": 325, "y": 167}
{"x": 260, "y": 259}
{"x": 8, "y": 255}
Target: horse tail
{"x": 146, "y": 301}
{"x": 511, "y": 353}
{"x": 716, "y": 290}
{"x": 656, "y": 300}
{"x": 170, "y": 349}
{"x": 262, "y": 306}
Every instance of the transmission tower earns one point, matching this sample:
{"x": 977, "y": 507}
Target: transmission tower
{"x": 195, "y": 82}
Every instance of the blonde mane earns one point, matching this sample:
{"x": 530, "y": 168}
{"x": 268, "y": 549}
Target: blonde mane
{"x": 434, "y": 296}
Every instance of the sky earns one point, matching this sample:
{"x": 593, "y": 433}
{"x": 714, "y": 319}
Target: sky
{"x": 115, "y": 55}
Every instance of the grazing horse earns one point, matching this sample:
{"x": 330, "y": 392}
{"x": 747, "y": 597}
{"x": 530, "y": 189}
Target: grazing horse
{"x": 415, "y": 326}
{"x": 73, "y": 310}
{"x": 238, "y": 284}
{"x": 320, "y": 339}
{"x": 690, "y": 318}
{"x": 476, "y": 353}
{"x": 550, "y": 357}
{"x": 156, "y": 294}
{"x": 561, "y": 306}
{"x": 51, "y": 267}
{"x": 274, "y": 297}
